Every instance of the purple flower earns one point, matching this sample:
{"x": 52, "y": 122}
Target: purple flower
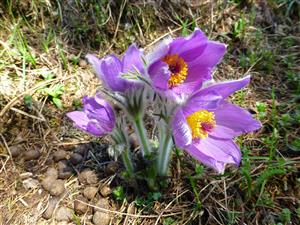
{"x": 207, "y": 123}
{"x": 97, "y": 117}
{"x": 179, "y": 67}
{"x": 110, "y": 69}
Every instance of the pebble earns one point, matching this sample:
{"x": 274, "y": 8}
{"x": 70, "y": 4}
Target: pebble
{"x": 30, "y": 183}
{"x": 52, "y": 172}
{"x": 63, "y": 214}
{"x": 59, "y": 155}
{"x": 105, "y": 191}
{"x": 51, "y": 206}
{"x": 76, "y": 158}
{"x": 79, "y": 207}
{"x": 88, "y": 177}
{"x": 31, "y": 155}
{"x": 57, "y": 187}
{"x": 15, "y": 151}
{"x": 83, "y": 63}
{"x": 112, "y": 168}
{"x": 90, "y": 192}
{"x": 101, "y": 218}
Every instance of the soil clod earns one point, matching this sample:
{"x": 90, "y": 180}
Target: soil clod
{"x": 51, "y": 206}
{"x": 31, "y": 155}
{"x": 63, "y": 214}
{"x": 59, "y": 155}
{"x": 105, "y": 191}
{"x": 101, "y": 218}
{"x": 15, "y": 151}
{"x": 76, "y": 158}
{"x": 90, "y": 192}
{"x": 57, "y": 188}
{"x": 79, "y": 207}
{"x": 88, "y": 177}
{"x": 52, "y": 172}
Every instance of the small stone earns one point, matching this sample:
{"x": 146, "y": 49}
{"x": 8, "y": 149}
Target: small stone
{"x": 90, "y": 192}
{"x": 79, "y": 207}
{"x": 51, "y": 206}
{"x": 83, "y": 63}
{"x": 102, "y": 203}
{"x": 64, "y": 171}
{"x": 47, "y": 183}
{"x": 112, "y": 168}
{"x": 63, "y": 214}
{"x": 76, "y": 158}
{"x": 30, "y": 183}
{"x": 31, "y": 155}
{"x": 88, "y": 177}
{"x": 133, "y": 141}
{"x": 15, "y": 151}
{"x": 105, "y": 191}
{"x": 59, "y": 155}
{"x": 57, "y": 188}
{"x": 52, "y": 172}
{"x": 101, "y": 218}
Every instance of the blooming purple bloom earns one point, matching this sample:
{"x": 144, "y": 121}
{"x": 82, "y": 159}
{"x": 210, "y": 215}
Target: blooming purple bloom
{"x": 179, "y": 67}
{"x": 110, "y": 69}
{"x": 207, "y": 123}
{"x": 97, "y": 117}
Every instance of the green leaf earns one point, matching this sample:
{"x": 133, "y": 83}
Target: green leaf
{"x": 119, "y": 193}
{"x": 28, "y": 101}
{"x": 57, "y": 102}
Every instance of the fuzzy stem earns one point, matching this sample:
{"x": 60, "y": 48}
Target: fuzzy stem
{"x": 127, "y": 162}
{"x": 164, "y": 154}
{"x": 141, "y": 133}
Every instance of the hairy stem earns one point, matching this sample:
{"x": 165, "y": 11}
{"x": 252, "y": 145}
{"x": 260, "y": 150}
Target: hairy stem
{"x": 164, "y": 154}
{"x": 127, "y": 162}
{"x": 142, "y": 136}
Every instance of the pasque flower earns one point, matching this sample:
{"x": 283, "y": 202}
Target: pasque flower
{"x": 97, "y": 117}
{"x": 179, "y": 67}
{"x": 110, "y": 69}
{"x": 207, "y": 123}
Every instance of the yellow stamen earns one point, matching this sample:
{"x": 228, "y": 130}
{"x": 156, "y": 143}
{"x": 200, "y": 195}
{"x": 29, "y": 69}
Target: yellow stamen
{"x": 201, "y": 123}
{"x": 178, "y": 68}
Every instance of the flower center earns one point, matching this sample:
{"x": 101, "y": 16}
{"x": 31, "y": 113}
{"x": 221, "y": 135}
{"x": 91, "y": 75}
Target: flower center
{"x": 201, "y": 123}
{"x": 178, "y": 68}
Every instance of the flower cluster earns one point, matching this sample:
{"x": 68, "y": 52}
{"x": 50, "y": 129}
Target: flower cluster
{"x": 175, "y": 81}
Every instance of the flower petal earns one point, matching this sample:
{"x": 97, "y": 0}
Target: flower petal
{"x": 222, "y": 150}
{"x": 206, "y": 160}
{"x": 79, "y": 118}
{"x": 181, "y": 130}
{"x": 112, "y": 68}
{"x": 208, "y": 101}
{"x": 132, "y": 60}
{"x": 95, "y": 128}
{"x": 234, "y": 118}
{"x": 160, "y": 74}
{"x": 159, "y": 51}
{"x": 189, "y": 47}
{"x": 228, "y": 87}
